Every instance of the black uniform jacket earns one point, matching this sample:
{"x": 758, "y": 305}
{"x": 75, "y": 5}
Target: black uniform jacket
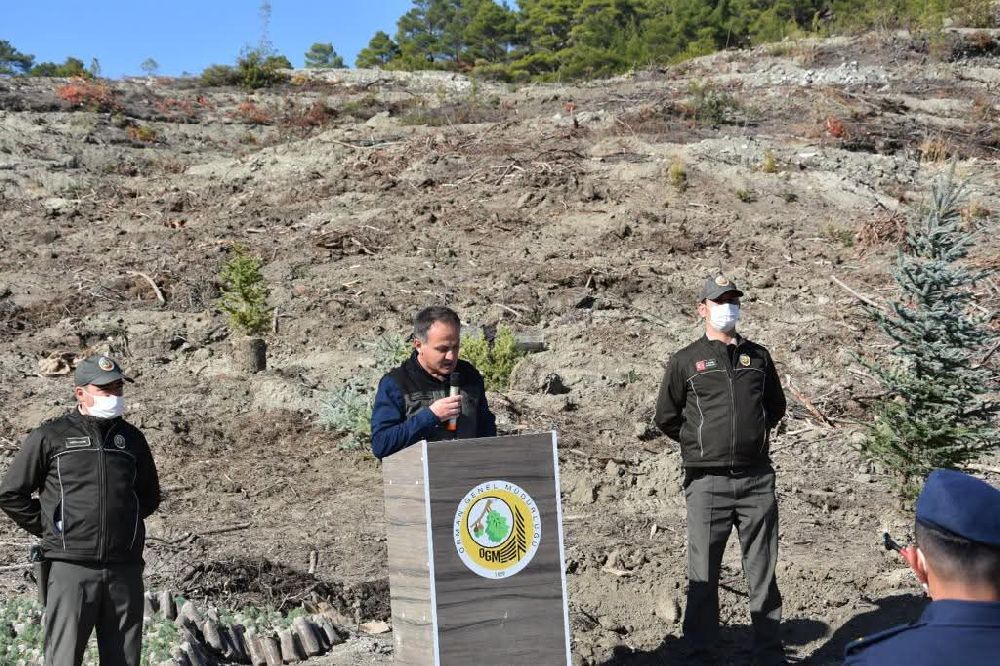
{"x": 96, "y": 482}
{"x": 720, "y": 402}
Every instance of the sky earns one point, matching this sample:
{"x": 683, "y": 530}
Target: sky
{"x": 187, "y": 35}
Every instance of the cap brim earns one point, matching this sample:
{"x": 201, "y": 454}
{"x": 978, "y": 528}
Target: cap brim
{"x": 106, "y": 378}
{"x": 715, "y": 294}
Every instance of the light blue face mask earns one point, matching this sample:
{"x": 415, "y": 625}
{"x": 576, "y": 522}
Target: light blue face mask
{"x": 723, "y": 316}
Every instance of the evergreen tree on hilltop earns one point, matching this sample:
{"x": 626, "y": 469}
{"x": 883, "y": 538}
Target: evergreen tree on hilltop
{"x": 13, "y": 61}
{"x": 381, "y": 50}
{"x": 939, "y": 413}
{"x": 322, "y": 55}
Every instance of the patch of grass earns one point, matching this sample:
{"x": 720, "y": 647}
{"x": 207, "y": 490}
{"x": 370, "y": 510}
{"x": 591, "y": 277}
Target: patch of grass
{"x": 769, "y": 164}
{"x": 495, "y": 361}
{"x": 839, "y": 235}
{"x": 935, "y": 149}
{"x": 677, "y": 174}
{"x": 746, "y": 195}
{"x": 143, "y": 133}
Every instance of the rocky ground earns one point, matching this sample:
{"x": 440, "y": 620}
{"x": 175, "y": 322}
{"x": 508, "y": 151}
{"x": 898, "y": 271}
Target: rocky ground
{"x": 588, "y": 214}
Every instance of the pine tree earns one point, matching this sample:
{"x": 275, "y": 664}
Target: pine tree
{"x": 938, "y": 413}
{"x": 13, "y": 61}
{"x": 322, "y": 56}
{"x": 381, "y": 50}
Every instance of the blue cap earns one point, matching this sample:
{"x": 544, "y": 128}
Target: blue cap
{"x": 960, "y": 504}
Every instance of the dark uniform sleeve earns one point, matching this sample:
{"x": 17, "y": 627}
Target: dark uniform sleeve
{"x": 670, "y": 402}
{"x": 147, "y": 481}
{"x": 486, "y": 422}
{"x": 25, "y": 476}
{"x": 774, "y": 395}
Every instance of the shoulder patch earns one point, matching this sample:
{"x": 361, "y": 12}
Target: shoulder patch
{"x": 865, "y": 641}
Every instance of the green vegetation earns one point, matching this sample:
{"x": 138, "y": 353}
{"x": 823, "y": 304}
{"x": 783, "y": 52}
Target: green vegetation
{"x": 244, "y": 293}
{"x": 708, "y": 105}
{"x": 938, "y": 411}
{"x": 839, "y": 235}
{"x": 321, "y": 55}
{"x": 255, "y": 68}
{"x": 347, "y": 409}
{"x": 677, "y": 174}
{"x": 551, "y": 40}
{"x": 769, "y": 164}
{"x": 495, "y": 362}
{"x": 69, "y": 68}
{"x": 13, "y": 61}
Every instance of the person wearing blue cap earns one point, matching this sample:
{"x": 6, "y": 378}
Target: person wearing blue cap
{"x": 957, "y": 558}
{"x": 96, "y": 483}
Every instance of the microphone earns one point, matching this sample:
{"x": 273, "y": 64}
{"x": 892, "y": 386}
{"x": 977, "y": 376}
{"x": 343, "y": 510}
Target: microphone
{"x": 454, "y": 383}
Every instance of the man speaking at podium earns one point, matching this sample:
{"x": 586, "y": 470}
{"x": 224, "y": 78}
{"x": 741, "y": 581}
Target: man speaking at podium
{"x": 432, "y": 395}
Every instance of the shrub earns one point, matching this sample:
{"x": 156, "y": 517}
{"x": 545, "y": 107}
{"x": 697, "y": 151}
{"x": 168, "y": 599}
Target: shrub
{"x": 244, "y": 293}
{"x": 90, "y": 95}
{"x": 677, "y": 174}
{"x": 939, "y": 412}
{"x": 347, "y": 409}
{"x": 495, "y": 361}
{"x": 257, "y": 70}
{"x": 746, "y": 195}
{"x": 219, "y": 75}
{"x": 769, "y": 163}
{"x": 249, "y": 112}
{"x": 143, "y": 133}
{"x": 707, "y": 104}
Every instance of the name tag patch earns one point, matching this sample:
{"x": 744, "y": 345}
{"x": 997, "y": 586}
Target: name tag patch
{"x": 707, "y": 364}
{"x": 77, "y": 442}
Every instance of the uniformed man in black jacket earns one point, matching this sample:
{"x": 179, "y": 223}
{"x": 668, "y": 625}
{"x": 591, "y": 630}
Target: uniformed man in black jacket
{"x": 720, "y": 398}
{"x": 96, "y": 483}
{"x": 413, "y": 401}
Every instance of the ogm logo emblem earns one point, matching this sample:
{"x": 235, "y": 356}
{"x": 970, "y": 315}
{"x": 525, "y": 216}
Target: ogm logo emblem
{"x": 497, "y": 529}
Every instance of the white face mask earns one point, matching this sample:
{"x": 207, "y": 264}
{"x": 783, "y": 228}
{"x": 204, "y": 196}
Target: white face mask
{"x": 107, "y": 406}
{"x": 723, "y": 316}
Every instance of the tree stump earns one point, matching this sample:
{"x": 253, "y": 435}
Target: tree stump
{"x": 249, "y": 354}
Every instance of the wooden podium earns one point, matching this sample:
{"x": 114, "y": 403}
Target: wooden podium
{"x": 476, "y": 561}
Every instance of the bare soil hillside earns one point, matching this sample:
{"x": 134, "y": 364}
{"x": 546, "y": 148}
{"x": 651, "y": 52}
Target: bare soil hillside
{"x": 588, "y": 214}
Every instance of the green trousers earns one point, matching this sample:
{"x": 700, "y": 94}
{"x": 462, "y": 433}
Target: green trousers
{"x": 85, "y": 597}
